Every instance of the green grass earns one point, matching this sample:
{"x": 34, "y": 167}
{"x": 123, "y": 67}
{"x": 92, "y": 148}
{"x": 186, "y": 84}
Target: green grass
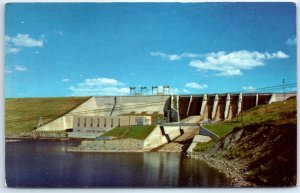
{"x": 22, "y": 114}
{"x": 135, "y": 132}
{"x": 155, "y": 116}
{"x": 204, "y": 146}
{"x": 277, "y": 112}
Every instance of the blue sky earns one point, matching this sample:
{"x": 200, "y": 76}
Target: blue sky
{"x": 102, "y": 49}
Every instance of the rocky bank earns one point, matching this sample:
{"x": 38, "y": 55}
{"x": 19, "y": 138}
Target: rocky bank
{"x": 37, "y": 135}
{"x": 256, "y": 155}
{"x": 116, "y": 145}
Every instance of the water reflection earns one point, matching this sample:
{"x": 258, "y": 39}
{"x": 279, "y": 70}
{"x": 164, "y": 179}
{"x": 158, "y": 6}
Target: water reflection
{"x": 41, "y": 164}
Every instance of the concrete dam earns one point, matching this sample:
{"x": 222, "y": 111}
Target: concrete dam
{"x": 213, "y": 107}
{"x": 218, "y": 107}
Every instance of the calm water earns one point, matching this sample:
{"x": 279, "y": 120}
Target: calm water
{"x": 48, "y": 164}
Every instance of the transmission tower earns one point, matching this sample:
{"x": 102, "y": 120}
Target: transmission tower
{"x": 132, "y": 91}
{"x": 143, "y": 90}
{"x": 154, "y": 90}
{"x": 166, "y": 90}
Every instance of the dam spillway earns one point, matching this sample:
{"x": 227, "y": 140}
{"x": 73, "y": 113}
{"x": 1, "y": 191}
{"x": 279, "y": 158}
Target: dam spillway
{"x": 195, "y": 105}
{"x": 218, "y": 107}
{"x": 183, "y": 106}
{"x": 233, "y": 107}
{"x": 263, "y": 99}
{"x": 248, "y": 102}
{"x": 220, "y": 111}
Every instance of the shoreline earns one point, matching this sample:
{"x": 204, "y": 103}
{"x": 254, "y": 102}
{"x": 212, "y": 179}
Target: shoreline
{"x": 230, "y": 169}
{"x": 16, "y": 139}
{"x": 109, "y": 151}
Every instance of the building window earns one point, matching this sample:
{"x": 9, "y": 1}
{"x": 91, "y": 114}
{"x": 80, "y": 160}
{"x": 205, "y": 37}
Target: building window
{"x": 84, "y": 122}
{"x": 78, "y": 122}
{"x": 91, "y": 122}
{"x": 119, "y": 122}
{"x": 98, "y": 123}
{"x": 104, "y": 122}
{"x": 112, "y": 122}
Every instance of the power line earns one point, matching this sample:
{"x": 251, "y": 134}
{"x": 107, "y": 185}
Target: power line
{"x": 277, "y": 87}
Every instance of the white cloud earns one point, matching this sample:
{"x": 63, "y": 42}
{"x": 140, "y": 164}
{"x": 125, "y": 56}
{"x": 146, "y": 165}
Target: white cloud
{"x": 185, "y": 90}
{"x": 24, "y": 40}
{"x": 249, "y": 88}
{"x": 101, "y": 81}
{"x": 58, "y": 32}
{"x": 196, "y": 85}
{"x": 15, "y": 44}
{"x": 174, "y": 91}
{"x": 278, "y": 55}
{"x": 20, "y": 68}
{"x": 230, "y": 72}
{"x": 65, "y": 80}
{"x": 100, "y": 86}
{"x": 174, "y": 57}
{"x": 291, "y": 41}
{"x": 231, "y": 64}
{"x": 11, "y": 50}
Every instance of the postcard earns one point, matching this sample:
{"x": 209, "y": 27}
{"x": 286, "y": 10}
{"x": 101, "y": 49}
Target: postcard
{"x": 147, "y": 95}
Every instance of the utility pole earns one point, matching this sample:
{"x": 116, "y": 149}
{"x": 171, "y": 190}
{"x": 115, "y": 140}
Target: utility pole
{"x": 283, "y": 86}
{"x": 132, "y": 91}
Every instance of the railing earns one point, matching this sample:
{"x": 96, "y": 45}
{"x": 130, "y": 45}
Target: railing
{"x": 181, "y": 124}
{"x": 202, "y": 131}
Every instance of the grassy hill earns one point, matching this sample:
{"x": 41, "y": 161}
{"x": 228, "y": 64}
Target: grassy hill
{"x": 278, "y": 112}
{"x": 22, "y": 114}
{"x": 260, "y": 145}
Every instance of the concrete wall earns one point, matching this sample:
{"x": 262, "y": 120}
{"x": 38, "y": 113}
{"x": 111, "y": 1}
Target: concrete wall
{"x": 128, "y": 104}
{"x": 208, "y": 110}
{"x": 102, "y": 106}
{"x": 248, "y": 102}
{"x": 66, "y": 121}
{"x": 281, "y": 96}
{"x": 184, "y": 102}
{"x": 220, "y": 111}
{"x": 263, "y": 99}
{"x": 84, "y": 135}
{"x": 174, "y": 115}
{"x": 158, "y": 138}
{"x": 155, "y": 139}
{"x": 96, "y": 122}
{"x": 195, "y": 106}
{"x": 233, "y": 107}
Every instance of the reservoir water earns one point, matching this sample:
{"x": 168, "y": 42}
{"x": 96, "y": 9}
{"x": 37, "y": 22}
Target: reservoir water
{"x": 49, "y": 164}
